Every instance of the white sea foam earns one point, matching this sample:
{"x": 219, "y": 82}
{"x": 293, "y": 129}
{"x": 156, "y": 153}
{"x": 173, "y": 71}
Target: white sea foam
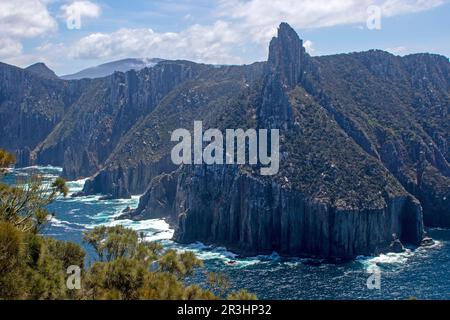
{"x": 205, "y": 253}
{"x": 160, "y": 235}
{"x": 40, "y": 168}
{"x": 65, "y": 224}
{"x": 87, "y": 199}
{"x": 153, "y": 229}
{"x": 436, "y": 245}
{"x": 76, "y": 186}
{"x": 396, "y": 259}
{"x": 388, "y": 259}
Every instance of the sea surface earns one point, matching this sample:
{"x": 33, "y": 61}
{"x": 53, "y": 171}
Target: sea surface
{"x": 423, "y": 273}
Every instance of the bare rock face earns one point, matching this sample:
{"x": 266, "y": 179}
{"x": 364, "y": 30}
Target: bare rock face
{"x": 287, "y": 56}
{"x": 144, "y": 152}
{"x": 221, "y": 206}
{"x": 158, "y": 202}
{"x": 41, "y": 70}
{"x": 122, "y": 182}
{"x": 338, "y": 194}
{"x": 32, "y": 103}
{"x": 105, "y": 112}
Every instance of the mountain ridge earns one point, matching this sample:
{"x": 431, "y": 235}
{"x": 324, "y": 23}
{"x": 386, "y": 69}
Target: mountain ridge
{"x": 41, "y": 70}
{"x": 108, "y": 68}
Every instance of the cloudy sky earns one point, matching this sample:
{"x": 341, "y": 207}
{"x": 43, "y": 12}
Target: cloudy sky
{"x": 70, "y": 35}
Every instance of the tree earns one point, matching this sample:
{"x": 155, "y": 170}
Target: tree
{"x": 113, "y": 243}
{"x": 32, "y": 266}
{"x": 25, "y": 206}
{"x": 128, "y": 267}
{"x": 6, "y": 160}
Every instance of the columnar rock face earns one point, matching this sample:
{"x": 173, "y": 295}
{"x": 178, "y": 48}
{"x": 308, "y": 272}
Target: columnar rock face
{"x": 158, "y": 202}
{"x": 93, "y": 127}
{"x": 333, "y": 198}
{"x": 122, "y": 182}
{"x": 285, "y": 68}
{"x": 242, "y": 212}
{"x": 31, "y": 105}
{"x": 144, "y": 152}
{"x": 287, "y": 56}
{"x": 404, "y": 122}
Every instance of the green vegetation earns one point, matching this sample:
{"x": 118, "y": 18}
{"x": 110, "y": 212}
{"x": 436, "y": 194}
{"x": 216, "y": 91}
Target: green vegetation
{"x": 35, "y": 267}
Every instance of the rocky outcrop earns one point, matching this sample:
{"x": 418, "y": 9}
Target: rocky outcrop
{"x": 396, "y": 109}
{"x": 31, "y": 106}
{"x": 91, "y": 130}
{"x": 41, "y": 70}
{"x": 333, "y": 198}
{"x": 287, "y": 56}
{"x": 144, "y": 152}
{"x": 158, "y": 202}
{"x": 221, "y": 206}
{"x": 119, "y": 182}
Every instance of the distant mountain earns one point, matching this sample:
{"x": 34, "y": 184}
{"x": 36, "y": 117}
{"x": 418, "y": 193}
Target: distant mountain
{"x": 41, "y": 70}
{"x": 109, "y": 68}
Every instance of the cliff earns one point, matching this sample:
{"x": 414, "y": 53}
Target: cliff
{"x": 41, "y": 70}
{"x": 251, "y": 216}
{"x": 31, "y": 106}
{"x": 105, "y": 112}
{"x": 337, "y": 194}
{"x": 144, "y": 152}
{"x": 364, "y": 145}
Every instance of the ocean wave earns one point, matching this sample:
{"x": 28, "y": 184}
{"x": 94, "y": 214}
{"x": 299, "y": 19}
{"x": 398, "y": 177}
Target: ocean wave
{"x": 391, "y": 258}
{"x": 211, "y": 253}
{"x": 159, "y": 236}
{"x": 76, "y": 186}
{"x": 396, "y": 259}
{"x": 152, "y": 225}
{"x": 436, "y": 245}
{"x": 65, "y": 224}
{"x": 40, "y": 168}
{"x": 86, "y": 199}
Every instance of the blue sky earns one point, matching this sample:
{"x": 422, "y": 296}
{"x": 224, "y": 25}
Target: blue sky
{"x": 213, "y": 31}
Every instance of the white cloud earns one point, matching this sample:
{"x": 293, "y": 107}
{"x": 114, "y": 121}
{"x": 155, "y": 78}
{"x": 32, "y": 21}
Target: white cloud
{"x": 241, "y": 26}
{"x": 25, "y": 18}
{"x": 260, "y": 17}
{"x": 210, "y": 44}
{"x": 9, "y": 48}
{"x": 22, "y": 19}
{"x": 242, "y": 22}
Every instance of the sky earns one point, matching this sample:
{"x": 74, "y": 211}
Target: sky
{"x": 71, "y": 35}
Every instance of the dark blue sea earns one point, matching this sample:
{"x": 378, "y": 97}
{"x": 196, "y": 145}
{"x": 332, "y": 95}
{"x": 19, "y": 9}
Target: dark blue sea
{"x": 423, "y": 273}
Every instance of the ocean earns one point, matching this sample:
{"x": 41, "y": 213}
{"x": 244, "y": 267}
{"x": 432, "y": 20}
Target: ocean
{"x": 423, "y": 273}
